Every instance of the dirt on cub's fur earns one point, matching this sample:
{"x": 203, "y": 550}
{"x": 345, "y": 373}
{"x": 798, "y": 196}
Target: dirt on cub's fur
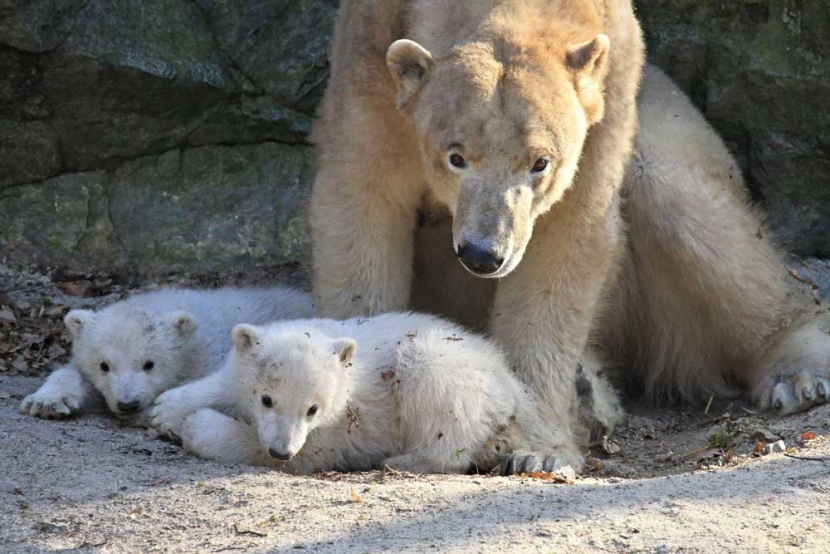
{"x": 691, "y": 479}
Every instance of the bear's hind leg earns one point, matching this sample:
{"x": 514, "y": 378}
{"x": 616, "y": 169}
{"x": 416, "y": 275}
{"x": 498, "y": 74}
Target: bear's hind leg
{"x": 703, "y": 290}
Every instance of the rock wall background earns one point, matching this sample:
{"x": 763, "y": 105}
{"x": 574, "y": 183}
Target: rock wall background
{"x": 169, "y": 135}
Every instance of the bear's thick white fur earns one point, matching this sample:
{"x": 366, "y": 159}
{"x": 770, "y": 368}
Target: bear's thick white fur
{"x": 152, "y": 342}
{"x": 410, "y": 391}
{"x": 656, "y": 260}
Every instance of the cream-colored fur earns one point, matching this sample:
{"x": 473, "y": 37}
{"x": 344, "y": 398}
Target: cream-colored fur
{"x": 504, "y": 84}
{"x": 704, "y": 304}
{"x": 409, "y": 391}
{"x": 665, "y": 275}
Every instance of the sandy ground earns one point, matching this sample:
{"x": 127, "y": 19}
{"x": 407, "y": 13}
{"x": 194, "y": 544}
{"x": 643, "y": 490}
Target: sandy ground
{"x": 89, "y": 485}
{"x": 684, "y": 480}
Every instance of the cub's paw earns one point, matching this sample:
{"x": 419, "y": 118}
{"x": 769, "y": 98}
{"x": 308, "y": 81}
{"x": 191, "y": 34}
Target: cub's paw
{"x": 523, "y": 461}
{"x": 168, "y": 412}
{"x": 789, "y": 394}
{"x": 197, "y": 431}
{"x": 51, "y": 404}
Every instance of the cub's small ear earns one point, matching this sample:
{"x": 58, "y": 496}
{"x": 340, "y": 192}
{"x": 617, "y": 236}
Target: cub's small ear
{"x": 244, "y": 337}
{"x": 184, "y": 323}
{"x": 588, "y": 64}
{"x": 78, "y": 320}
{"x": 344, "y": 349}
{"x": 410, "y": 64}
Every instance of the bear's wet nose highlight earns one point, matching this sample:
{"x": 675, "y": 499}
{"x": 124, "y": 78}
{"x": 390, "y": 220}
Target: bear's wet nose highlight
{"x": 279, "y": 455}
{"x": 481, "y": 261}
{"x": 129, "y": 407}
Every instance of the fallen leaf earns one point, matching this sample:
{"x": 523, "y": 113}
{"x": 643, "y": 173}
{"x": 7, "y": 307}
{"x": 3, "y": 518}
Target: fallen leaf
{"x": 808, "y": 436}
{"x": 388, "y": 374}
{"x": 355, "y": 497}
{"x": 81, "y": 288}
{"x": 56, "y": 351}
{"x": 7, "y": 315}
{"x": 759, "y": 448}
{"x": 241, "y": 531}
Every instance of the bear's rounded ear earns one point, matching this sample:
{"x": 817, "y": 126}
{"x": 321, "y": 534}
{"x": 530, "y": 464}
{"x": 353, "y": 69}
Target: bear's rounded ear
{"x": 588, "y": 64}
{"x": 78, "y": 320}
{"x": 588, "y": 59}
{"x": 344, "y": 349}
{"x": 244, "y": 337}
{"x": 184, "y": 323}
{"x": 409, "y": 63}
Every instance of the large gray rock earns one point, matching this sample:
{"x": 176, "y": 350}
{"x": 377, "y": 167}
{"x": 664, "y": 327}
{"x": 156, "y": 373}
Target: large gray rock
{"x": 172, "y": 135}
{"x": 106, "y": 105}
{"x": 760, "y": 72}
{"x": 200, "y": 209}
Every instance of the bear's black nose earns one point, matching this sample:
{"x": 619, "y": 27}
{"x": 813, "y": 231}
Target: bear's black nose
{"x": 278, "y": 455}
{"x": 129, "y": 407}
{"x": 480, "y": 261}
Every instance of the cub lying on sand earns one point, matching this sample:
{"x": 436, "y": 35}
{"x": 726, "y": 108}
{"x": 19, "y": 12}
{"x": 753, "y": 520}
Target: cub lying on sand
{"x": 133, "y": 350}
{"x": 410, "y": 391}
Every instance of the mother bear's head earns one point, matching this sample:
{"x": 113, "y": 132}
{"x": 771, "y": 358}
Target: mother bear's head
{"x": 501, "y": 125}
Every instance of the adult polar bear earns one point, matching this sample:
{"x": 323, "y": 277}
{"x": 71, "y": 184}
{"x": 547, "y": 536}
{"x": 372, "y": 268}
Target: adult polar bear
{"x": 487, "y": 110}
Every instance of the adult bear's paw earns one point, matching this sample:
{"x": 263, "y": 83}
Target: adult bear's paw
{"x": 789, "y": 394}
{"x": 523, "y": 461}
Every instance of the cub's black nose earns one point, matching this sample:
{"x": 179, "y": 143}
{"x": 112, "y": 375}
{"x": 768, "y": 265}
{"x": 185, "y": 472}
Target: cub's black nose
{"x": 480, "y": 261}
{"x": 129, "y": 407}
{"x": 278, "y": 455}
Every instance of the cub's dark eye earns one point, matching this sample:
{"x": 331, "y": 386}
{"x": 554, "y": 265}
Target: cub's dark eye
{"x": 267, "y": 402}
{"x": 458, "y": 161}
{"x": 312, "y": 410}
{"x": 540, "y": 165}
{"x": 148, "y": 365}
{"x": 105, "y": 367}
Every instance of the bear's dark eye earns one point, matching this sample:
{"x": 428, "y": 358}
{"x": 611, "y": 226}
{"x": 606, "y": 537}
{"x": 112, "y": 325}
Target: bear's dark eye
{"x": 105, "y": 367}
{"x": 148, "y": 365}
{"x": 267, "y": 402}
{"x": 312, "y": 410}
{"x": 458, "y": 161}
{"x": 540, "y": 165}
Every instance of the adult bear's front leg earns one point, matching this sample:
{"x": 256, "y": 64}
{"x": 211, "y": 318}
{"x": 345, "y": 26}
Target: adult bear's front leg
{"x": 363, "y": 211}
{"x": 545, "y": 310}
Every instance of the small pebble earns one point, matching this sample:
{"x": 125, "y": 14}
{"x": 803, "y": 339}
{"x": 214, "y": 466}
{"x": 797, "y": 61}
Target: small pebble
{"x": 777, "y": 446}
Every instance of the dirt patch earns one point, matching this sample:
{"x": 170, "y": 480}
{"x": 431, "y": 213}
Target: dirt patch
{"x": 687, "y": 479}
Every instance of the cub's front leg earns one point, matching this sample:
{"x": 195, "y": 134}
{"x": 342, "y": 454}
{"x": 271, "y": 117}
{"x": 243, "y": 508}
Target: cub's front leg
{"x": 170, "y": 408}
{"x": 214, "y": 436}
{"x": 64, "y": 393}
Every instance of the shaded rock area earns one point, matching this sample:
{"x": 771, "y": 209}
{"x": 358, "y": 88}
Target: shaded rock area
{"x": 159, "y": 136}
{"x": 760, "y": 72}
{"x": 156, "y": 137}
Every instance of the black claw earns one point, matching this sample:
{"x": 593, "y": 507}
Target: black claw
{"x": 777, "y": 404}
{"x": 508, "y": 466}
{"x": 807, "y": 392}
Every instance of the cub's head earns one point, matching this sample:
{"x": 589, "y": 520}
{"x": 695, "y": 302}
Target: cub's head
{"x": 501, "y": 126}
{"x": 130, "y": 355}
{"x": 291, "y": 382}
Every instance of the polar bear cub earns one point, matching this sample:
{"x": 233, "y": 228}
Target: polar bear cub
{"x": 409, "y": 391}
{"x": 135, "y": 349}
